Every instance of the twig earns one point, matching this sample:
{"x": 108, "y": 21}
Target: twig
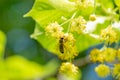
{"x": 82, "y": 61}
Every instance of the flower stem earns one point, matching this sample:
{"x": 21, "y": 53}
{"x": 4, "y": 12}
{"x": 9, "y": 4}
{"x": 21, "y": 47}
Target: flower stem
{"x": 74, "y": 14}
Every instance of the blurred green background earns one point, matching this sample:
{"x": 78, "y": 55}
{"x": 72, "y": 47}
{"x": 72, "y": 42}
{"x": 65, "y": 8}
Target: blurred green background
{"x": 35, "y": 62}
{"x": 18, "y": 30}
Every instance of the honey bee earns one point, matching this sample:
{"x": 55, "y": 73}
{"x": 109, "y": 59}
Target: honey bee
{"x": 61, "y": 44}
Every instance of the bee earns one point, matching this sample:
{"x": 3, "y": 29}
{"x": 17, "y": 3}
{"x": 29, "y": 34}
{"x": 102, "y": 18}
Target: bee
{"x": 61, "y": 44}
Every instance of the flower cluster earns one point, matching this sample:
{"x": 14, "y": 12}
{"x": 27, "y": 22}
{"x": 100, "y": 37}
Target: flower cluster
{"x": 68, "y": 46}
{"x": 116, "y": 71}
{"x": 66, "y": 43}
{"x": 54, "y": 29}
{"x": 69, "y": 69}
{"x": 78, "y": 24}
{"x": 108, "y": 55}
{"x": 102, "y": 70}
{"x": 96, "y": 55}
{"x": 82, "y": 4}
{"x": 109, "y": 35}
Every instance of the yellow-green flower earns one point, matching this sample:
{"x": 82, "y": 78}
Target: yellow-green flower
{"x": 116, "y": 70}
{"x": 109, "y": 35}
{"x": 96, "y": 55}
{"x": 102, "y": 70}
{"x": 78, "y": 24}
{"x": 69, "y": 69}
{"x": 110, "y": 54}
{"x": 69, "y": 47}
{"x": 54, "y": 30}
{"x": 92, "y": 17}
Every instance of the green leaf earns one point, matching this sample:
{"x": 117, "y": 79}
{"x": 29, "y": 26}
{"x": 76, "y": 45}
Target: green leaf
{"x": 64, "y": 5}
{"x": 2, "y": 44}
{"x": 46, "y": 11}
{"x": 84, "y": 41}
{"x": 18, "y": 68}
{"x": 47, "y": 42}
{"x": 105, "y": 7}
{"x": 117, "y": 2}
{"x": 106, "y": 3}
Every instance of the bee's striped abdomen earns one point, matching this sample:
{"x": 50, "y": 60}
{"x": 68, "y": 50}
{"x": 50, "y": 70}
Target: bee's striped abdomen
{"x": 61, "y": 45}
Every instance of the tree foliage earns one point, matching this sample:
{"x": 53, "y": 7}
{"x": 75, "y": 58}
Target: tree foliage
{"x": 66, "y": 28}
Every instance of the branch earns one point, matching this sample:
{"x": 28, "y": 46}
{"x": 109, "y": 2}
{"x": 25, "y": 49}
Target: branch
{"x": 82, "y": 61}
